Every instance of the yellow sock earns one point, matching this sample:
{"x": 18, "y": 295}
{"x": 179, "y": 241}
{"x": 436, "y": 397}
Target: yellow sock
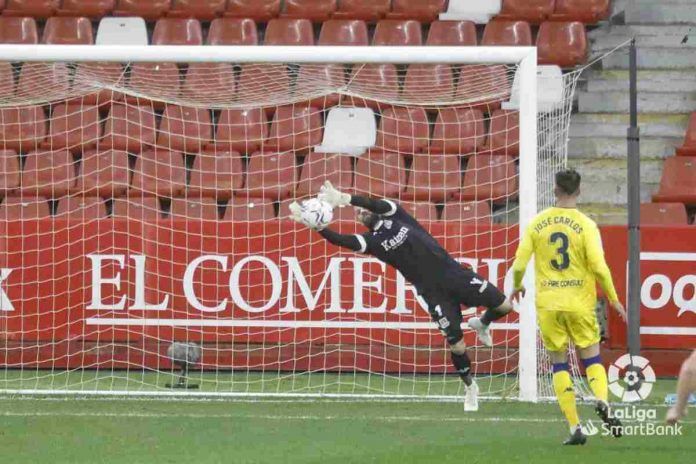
{"x": 566, "y": 397}
{"x": 597, "y": 378}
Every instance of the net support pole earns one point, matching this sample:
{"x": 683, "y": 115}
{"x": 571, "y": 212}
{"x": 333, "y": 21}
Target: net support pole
{"x": 528, "y": 209}
{"x": 633, "y": 167}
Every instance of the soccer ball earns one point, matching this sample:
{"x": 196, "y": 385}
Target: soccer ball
{"x": 316, "y": 214}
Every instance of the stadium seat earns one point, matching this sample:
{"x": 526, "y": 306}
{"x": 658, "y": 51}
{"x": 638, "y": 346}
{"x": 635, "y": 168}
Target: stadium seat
{"x": 185, "y": 129}
{"x": 233, "y": 31}
{"x": 159, "y": 173}
{"x": 150, "y": 10}
{"x": 295, "y": 127}
{"x": 458, "y": 131}
{"x": 586, "y": 11}
{"x": 452, "y": 33}
{"x": 74, "y": 127}
{"x": 209, "y": 82}
{"x": 314, "y": 10}
{"x": 14, "y": 30}
{"x": 563, "y": 44}
{"x": 394, "y": 32}
{"x": 289, "y": 32}
{"x": 258, "y": 10}
{"x": 348, "y": 130}
{"x": 319, "y": 167}
{"x": 378, "y": 81}
{"x": 483, "y": 86}
{"x": 122, "y": 31}
{"x": 242, "y": 131}
{"x": 86, "y": 74}
{"x": 380, "y": 174}
{"x": 146, "y": 209}
{"x": 80, "y": 208}
{"x": 93, "y": 9}
{"x": 16, "y": 208}
{"x": 421, "y": 10}
{"x": 159, "y": 81}
{"x": 424, "y": 212}
{"x": 48, "y": 173}
{"x": 689, "y": 146}
{"x": 343, "y": 32}
{"x": 532, "y": 11}
{"x": 367, "y": 10}
{"x": 9, "y": 171}
{"x": 473, "y": 212}
{"x": 67, "y": 31}
{"x": 509, "y": 33}
{"x": 404, "y": 130}
{"x": 428, "y": 83}
{"x": 177, "y": 31}
{"x": 677, "y": 183}
{"x": 259, "y": 82}
{"x": 317, "y": 78}
{"x": 201, "y": 209}
{"x": 38, "y": 9}
{"x": 434, "y": 178}
{"x": 664, "y": 214}
{"x": 205, "y": 10}
{"x": 243, "y": 210}
{"x": 271, "y": 175}
{"x": 7, "y": 83}
{"x": 504, "y": 138}
{"x": 103, "y": 174}
{"x": 479, "y": 11}
{"x": 22, "y": 128}
{"x": 129, "y": 127}
{"x": 490, "y": 177}
{"x": 43, "y": 81}
{"x": 216, "y": 174}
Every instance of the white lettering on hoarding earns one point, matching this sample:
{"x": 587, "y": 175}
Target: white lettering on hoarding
{"x": 190, "y": 293}
{"x": 295, "y": 274}
{"x": 359, "y": 283}
{"x": 5, "y": 303}
{"x": 98, "y": 281}
{"x": 276, "y": 282}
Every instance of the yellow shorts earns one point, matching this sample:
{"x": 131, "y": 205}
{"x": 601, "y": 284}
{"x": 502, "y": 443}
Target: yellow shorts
{"x": 557, "y": 327}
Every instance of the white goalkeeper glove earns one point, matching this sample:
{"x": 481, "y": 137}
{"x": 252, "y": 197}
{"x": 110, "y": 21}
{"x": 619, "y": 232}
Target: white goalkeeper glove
{"x": 296, "y": 215}
{"x": 334, "y": 197}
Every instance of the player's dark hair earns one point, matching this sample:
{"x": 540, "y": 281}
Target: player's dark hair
{"x": 568, "y": 181}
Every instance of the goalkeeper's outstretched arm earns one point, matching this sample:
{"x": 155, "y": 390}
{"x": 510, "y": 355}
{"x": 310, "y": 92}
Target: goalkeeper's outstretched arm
{"x": 352, "y": 242}
{"x": 338, "y": 199}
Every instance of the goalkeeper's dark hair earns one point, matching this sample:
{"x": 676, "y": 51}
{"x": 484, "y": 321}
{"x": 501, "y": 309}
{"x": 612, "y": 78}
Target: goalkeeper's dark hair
{"x": 568, "y": 181}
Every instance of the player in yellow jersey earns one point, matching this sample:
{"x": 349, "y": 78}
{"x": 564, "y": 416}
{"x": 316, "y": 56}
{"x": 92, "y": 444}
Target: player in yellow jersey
{"x": 569, "y": 259}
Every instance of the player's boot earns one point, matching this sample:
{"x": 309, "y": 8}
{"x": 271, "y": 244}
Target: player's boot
{"x": 576, "y": 438}
{"x": 482, "y": 331}
{"x": 614, "y": 424}
{"x": 471, "y": 398}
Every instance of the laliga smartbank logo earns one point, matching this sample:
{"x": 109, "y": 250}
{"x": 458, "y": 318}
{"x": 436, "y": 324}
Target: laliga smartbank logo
{"x": 631, "y": 378}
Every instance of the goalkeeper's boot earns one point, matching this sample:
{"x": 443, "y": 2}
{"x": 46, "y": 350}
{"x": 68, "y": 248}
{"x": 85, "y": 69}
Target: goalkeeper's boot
{"x": 576, "y": 438}
{"x": 614, "y": 424}
{"x": 471, "y": 398}
{"x": 482, "y": 331}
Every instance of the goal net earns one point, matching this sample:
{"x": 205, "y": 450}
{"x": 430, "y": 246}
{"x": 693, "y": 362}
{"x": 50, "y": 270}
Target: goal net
{"x": 145, "y": 241}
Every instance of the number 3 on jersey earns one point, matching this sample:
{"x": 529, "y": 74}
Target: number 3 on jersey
{"x": 562, "y": 262}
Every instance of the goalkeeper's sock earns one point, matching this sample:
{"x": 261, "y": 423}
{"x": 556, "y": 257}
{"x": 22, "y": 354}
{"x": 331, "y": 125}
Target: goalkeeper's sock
{"x": 492, "y": 314}
{"x": 597, "y": 378}
{"x": 563, "y": 386}
{"x": 463, "y": 365}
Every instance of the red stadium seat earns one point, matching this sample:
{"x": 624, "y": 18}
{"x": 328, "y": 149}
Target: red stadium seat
{"x": 562, "y": 44}
{"x": 490, "y": 177}
{"x": 38, "y": 9}
{"x": 267, "y": 81}
{"x": 367, "y": 10}
{"x": 404, "y": 130}
{"x": 483, "y": 87}
{"x": 149, "y": 10}
{"x": 343, "y": 32}
{"x": 586, "y": 11}
{"x": 242, "y": 131}
{"x": 158, "y": 81}
{"x": 394, "y": 32}
{"x": 421, "y": 10}
{"x": 422, "y": 211}
{"x": 15, "y": 208}
{"x": 22, "y": 128}
{"x": 216, "y": 174}
{"x": 477, "y": 211}
{"x": 94, "y": 9}
{"x": 7, "y": 84}
{"x": 204, "y": 10}
{"x": 103, "y": 174}
{"x": 689, "y": 146}
{"x": 452, "y": 33}
{"x": 258, "y": 10}
{"x": 380, "y": 174}
{"x": 510, "y": 33}
{"x": 68, "y": 31}
{"x": 87, "y": 74}
{"x": 289, "y": 32}
{"x": 374, "y": 83}
{"x": 200, "y": 209}
{"x": 9, "y": 171}
{"x": 435, "y": 178}
{"x": 458, "y": 131}
{"x": 177, "y": 31}
{"x": 74, "y": 127}
{"x": 295, "y": 127}
{"x": 532, "y": 11}
{"x": 233, "y": 31}
{"x": 271, "y": 175}
{"x": 159, "y": 173}
{"x": 314, "y": 10}
{"x": 664, "y": 214}
{"x": 315, "y": 78}
{"x": 504, "y": 136}
{"x": 254, "y": 209}
{"x": 146, "y": 209}
{"x": 43, "y": 81}
{"x": 677, "y": 183}
{"x": 81, "y": 208}
{"x": 185, "y": 129}
{"x": 129, "y": 127}
{"x": 14, "y": 30}
{"x": 209, "y": 82}
{"x": 319, "y": 167}
{"x": 48, "y": 173}
{"x": 428, "y": 83}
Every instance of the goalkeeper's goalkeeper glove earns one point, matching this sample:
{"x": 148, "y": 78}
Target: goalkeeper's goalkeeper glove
{"x": 334, "y": 197}
{"x": 296, "y": 215}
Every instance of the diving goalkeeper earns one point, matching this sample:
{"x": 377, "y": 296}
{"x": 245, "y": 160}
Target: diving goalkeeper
{"x": 396, "y": 238}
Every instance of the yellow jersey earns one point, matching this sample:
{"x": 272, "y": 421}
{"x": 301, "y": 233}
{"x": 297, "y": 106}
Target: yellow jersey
{"x": 569, "y": 259}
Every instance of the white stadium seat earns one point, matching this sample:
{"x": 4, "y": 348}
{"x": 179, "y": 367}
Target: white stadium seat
{"x": 122, "y": 31}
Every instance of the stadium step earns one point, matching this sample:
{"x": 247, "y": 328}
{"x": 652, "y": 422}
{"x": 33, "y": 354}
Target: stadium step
{"x": 648, "y": 102}
{"x": 660, "y": 12}
{"x": 605, "y": 182}
{"x": 614, "y": 125}
{"x": 649, "y": 80}
{"x": 652, "y": 58}
{"x": 598, "y": 147}
{"x": 606, "y": 38}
